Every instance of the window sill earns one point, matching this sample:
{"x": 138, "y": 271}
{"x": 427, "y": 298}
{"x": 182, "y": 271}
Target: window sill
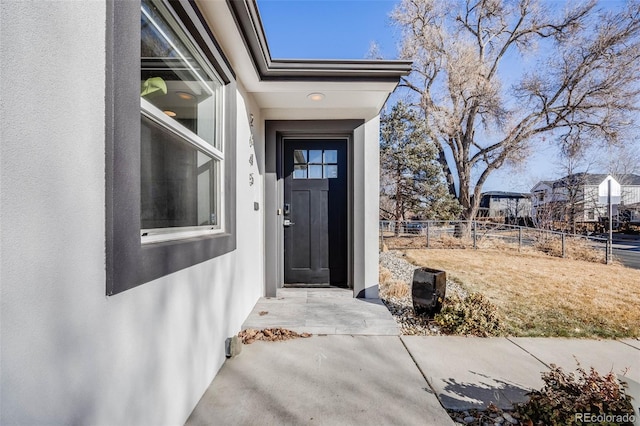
{"x": 164, "y": 236}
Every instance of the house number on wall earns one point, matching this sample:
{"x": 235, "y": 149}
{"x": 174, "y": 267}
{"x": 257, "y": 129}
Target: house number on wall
{"x": 251, "y": 179}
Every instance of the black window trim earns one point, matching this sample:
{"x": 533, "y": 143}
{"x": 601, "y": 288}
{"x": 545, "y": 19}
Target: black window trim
{"x": 129, "y": 263}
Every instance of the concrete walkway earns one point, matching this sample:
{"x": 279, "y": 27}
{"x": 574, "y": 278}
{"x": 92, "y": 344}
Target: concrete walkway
{"x": 471, "y": 372}
{"x": 356, "y": 369}
{"x": 322, "y": 311}
{"x": 322, "y": 380}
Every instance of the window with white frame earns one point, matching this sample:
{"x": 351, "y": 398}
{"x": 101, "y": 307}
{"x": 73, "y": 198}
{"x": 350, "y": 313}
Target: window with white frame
{"x": 170, "y": 147}
{"x": 181, "y": 154}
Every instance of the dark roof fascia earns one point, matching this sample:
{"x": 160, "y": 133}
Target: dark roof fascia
{"x": 630, "y": 179}
{"x": 592, "y": 179}
{"x": 247, "y": 18}
{"x": 548, "y": 183}
{"x": 506, "y": 194}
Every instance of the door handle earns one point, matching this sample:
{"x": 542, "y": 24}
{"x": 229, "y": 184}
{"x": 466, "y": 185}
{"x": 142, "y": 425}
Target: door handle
{"x": 287, "y": 222}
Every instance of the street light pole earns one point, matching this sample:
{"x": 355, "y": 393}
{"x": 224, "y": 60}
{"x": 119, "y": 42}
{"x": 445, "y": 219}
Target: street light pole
{"x": 610, "y": 239}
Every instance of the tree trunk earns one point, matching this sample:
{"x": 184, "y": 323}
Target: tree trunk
{"x": 469, "y": 213}
{"x": 442, "y": 159}
{"x": 399, "y": 214}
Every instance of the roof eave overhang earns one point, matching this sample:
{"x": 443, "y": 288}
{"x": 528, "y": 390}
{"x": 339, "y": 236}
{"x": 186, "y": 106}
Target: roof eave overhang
{"x": 247, "y": 18}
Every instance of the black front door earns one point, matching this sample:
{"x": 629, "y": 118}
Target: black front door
{"x": 315, "y": 212}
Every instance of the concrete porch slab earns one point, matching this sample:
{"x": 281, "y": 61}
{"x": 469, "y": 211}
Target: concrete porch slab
{"x": 322, "y": 311}
{"x": 469, "y": 373}
{"x": 603, "y": 355}
{"x": 322, "y": 380}
{"x": 335, "y": 292}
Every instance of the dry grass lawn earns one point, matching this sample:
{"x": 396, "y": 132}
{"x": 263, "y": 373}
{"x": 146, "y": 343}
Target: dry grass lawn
{"x": 540, "y": 295}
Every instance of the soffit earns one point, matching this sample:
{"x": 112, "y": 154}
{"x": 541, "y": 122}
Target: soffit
{"x": 351, "y": 88}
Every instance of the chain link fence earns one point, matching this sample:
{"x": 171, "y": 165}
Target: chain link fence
{"x": 400, "y": 235}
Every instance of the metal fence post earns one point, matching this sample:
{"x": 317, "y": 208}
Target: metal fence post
{"x": 474, "y": 235}
{"x": 519, "y": 238}
{"x": 428, "y": 222}
{"x": 563, "y": 247}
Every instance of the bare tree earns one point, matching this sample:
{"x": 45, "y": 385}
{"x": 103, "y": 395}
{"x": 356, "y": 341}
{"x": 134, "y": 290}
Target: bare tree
{"x": 574, "y": 156}
{"x": 582, "y": 83}
{"x": 620, "y": 161}
{"x": 411, "y": 182}
{"x": 374, "y": 52}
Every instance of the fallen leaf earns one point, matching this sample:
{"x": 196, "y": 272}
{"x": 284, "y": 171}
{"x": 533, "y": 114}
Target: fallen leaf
{"x": 269, "y": 334}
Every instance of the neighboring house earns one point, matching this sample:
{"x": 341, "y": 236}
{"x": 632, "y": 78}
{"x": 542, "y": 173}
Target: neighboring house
{"x": 630, "y": 213}
{"x": 575, "y": 198}
{"x": 160, "y": 173}
{"x": 500, "y": 204}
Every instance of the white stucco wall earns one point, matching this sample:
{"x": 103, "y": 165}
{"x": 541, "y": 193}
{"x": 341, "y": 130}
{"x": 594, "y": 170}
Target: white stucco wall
{"x": 69, "y": 354}
{"x": 366, "y": 163}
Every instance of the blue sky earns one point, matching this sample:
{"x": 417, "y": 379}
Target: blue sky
{"x": 344, "y": 29}
{"x": 328, "y": 29}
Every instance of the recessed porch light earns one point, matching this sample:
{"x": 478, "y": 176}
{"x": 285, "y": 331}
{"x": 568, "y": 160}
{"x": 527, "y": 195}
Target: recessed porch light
{"x": 316, "y": 97}
{"x": 170, "y": 113}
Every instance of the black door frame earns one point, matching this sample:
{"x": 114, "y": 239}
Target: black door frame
{"x": 275, "y": 132}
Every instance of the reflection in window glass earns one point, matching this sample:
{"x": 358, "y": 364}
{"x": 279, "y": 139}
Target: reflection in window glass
{"x": 300, "y": 171}
{"x": 178, "y": 182}
{"x": 330, "y": 156}
{"x": 175, "y": 78}
{"x": 300, "y": 156}
{"x": 315, "y": 164}
{"x": 181, "y": 139}
{"x": 331, "y": 171}
{"x": 315, "y": 172}
{"x": 315, "y": 156}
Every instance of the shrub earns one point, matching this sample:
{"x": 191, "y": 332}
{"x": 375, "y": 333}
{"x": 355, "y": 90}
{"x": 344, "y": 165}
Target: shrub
{"x": 384, "y": 275}
{"x": 390, "y": 287}
{"x": 473, "y": 315}
{"x": 565, "y": 397}
{"x": 395, "y": 289}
